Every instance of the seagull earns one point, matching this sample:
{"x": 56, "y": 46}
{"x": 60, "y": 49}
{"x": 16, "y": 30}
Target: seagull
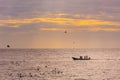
{"x": 65, "y": 31}
{"x": 8, "y": 46}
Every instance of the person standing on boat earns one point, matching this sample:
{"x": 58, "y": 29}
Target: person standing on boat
{"x": 81, "y": 58}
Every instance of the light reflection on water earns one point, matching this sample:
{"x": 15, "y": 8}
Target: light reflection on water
{"x": 57, "y": 64}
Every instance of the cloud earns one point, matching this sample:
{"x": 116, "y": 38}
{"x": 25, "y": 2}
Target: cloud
{"x": 93, "y": 29}
{"x": 104, "y": 29}
{"x": 1, "y": 24}
{"x": 62, "y": 21}
{"x": 72, "y": 22}
{"x": 52, "y": 29}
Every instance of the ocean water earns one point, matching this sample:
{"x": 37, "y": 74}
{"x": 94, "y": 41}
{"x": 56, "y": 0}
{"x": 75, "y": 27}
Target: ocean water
{"x": 57, "y": 64}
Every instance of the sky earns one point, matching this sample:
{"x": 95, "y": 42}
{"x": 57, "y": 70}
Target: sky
{"x": 42, "y": 23}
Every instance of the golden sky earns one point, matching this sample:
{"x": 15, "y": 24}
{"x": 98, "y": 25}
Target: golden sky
{"x": 41, "y": 23}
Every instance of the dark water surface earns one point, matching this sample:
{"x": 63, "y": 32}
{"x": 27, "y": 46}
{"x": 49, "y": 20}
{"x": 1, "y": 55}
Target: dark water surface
{"x": 57, "y": 64}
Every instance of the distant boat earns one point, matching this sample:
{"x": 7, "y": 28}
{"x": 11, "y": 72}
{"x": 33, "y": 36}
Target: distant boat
{"x": 81, "y": 58}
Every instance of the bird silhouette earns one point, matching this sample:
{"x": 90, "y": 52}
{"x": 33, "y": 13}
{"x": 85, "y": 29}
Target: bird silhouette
{"x": 8, "y": 46}
{"x": 65, "y": 31}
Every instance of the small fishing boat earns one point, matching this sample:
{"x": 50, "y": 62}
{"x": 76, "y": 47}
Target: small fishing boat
{"x": 81, "y": 58}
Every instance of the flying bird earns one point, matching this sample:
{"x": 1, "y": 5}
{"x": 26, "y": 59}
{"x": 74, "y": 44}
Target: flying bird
{"x": 65, "y": 31}
{"x": 8, "y": 46}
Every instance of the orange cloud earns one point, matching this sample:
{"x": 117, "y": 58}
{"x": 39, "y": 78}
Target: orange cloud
{"x": 74, "y": 22}
{"x": 63, "y": 22}
{"x": 52, "y": 29}
{"x": 93, "y": 29}
{"x": 1, "y": 24}
{"x": 104, "y": 29}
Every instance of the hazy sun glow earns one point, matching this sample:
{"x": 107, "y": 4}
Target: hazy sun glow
{"x": 42, "y": 23}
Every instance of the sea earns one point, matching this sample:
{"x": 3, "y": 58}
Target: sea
{"x": 57, "y": 64}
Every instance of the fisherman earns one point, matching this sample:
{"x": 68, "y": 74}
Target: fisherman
{"x": 81, "y": 58}
{"x": 89, "y": 58}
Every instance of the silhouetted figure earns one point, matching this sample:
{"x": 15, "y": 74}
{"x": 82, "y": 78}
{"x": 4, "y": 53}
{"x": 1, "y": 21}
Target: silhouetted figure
{"x": 89, "y": 58}
{"x": 8, "y": 46}
{"x": 30, "y": 75}
{"x": 81, "y": 58}
{"x": 20, "y": 75}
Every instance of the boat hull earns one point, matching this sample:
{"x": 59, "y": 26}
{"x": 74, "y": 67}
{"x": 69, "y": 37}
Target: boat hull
{"x": 79, "y": 58}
